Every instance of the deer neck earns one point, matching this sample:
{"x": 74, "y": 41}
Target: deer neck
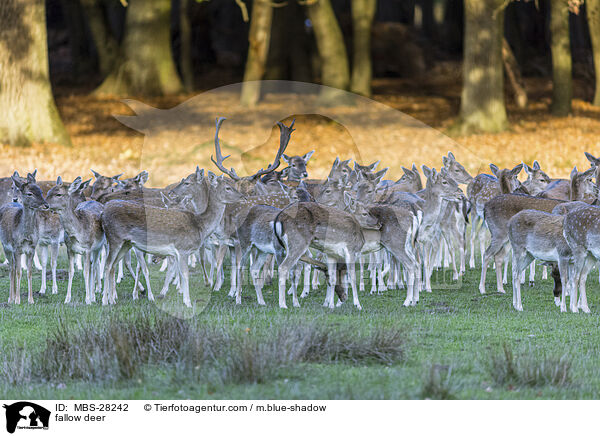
{"x": 28, "y": 221}
{"x": 432, "y": 207}
{"x": 68, "y": 218}
{"x": 211, "y": 217}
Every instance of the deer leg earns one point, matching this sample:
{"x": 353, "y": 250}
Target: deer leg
{"x": 582, "y": 302}
{"x": 120, "y": 272}
{"x": 472, "y": 237}
{"x": 71, "y": 260}
{"x": 532, "y": 274}
{"x": 18, "y": 261}
{"x": 30, "y": 278}
{"x": 491, "y": 252}
{"x": 297, "y": 271}
{"x": 53, "y": 264}
{"x": 36, "y": 260}
{"x": 373, "y": 272}
{"x": 520, "y": 258}
{"x": 331, "y": 282}
{"x": 169, "y": 276}
{"x": 11, "y": 275}
{"x": 255, "y": 273}
{"x": 361, "y": 274}
{"x": 86, "y": 277}
{"x": 233, "y": 275}
{"x": 499, "y": 258}
{"x": 221, "y": 251}
{"x": 306, "y": 279}
{"x": 44, "y": 264}
{"x": 185, "y": 278}
{"x": 141, "y": 262}
{"x": 78, "y": 262}
{"x": 544, "y": 272}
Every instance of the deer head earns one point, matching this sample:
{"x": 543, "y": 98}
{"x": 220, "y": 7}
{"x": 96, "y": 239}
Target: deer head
{"x": 537, "y": 180}
{"x": 507, "y": 178}
{"x": 455, "y": 169}
{"x": 246, "y": 184}
{"x": 297, "y": 166}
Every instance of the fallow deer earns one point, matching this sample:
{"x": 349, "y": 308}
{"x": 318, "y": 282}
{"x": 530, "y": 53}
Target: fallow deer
{"x": 19, "y": 233}
{"x": 499, "y": 210}
{"x": 82, "y": 224}
{"x": 165, "y": 232}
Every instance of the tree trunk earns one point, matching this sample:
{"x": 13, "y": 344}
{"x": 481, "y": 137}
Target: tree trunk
{"x": 562, "y": 90}
{"x": 335, "y": 72}
{"x": 145, "y": 65}
{"x": 482, "y": 101}
{"x": 29, "y": 113}
{"x": 363, "y": 12}
{"x": 259, "y": 37}
{"x": 105, "y": 42}
{"x": 185, "y": 38}
{"x": 593, "y": 16}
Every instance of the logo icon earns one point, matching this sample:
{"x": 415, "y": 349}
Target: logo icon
{"x": 26, "y": 415}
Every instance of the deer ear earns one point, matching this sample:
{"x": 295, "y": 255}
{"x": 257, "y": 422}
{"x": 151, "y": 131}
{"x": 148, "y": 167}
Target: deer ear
{"x": 589, "y": 173}
{"x": 59, "y": 181}
{"x": 451, "y": 155}
{"x": 199, "y": 174}
{"x": 527, "y": 168}
{"x": 445, "y": 161}
{"x": 96, "y": 175}
{"x": 536, "y": 165}
{"x": 573, "y": 173}
{"x": 85, "y": 184}
{"x": 374, "y": 165}
{"x": 74, "y": 186}
{"x": 379, "y": 175}
{"x": 117, "y": 176}
{"x": 142, "y": 177}
{"x": 516, "y": 170}
{"x": 31, "y": 178}
{"x": 17, "y": 180}
{"x": 593, "y": 160}
{"x": 307, "y": 156}
{"x": 212, "y": 178}
{"x": 407, "y": 171}
{"x": 415, "y": 169}
{"x": 286, "y": 158}
{"x": 494, "y": 169}
{"x": 426, "y": 170}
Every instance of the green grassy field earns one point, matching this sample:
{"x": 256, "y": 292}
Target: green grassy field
{"x": 452, "y": 346}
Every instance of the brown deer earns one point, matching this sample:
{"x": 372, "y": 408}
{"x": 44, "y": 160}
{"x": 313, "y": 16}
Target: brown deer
{"x": 499, "y": 210}
{"x": 165, "y": 232}
{"x": 19, "y": 233}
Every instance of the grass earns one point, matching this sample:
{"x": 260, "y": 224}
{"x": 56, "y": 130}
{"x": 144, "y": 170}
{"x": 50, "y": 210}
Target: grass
{"x": 455, "y": 344}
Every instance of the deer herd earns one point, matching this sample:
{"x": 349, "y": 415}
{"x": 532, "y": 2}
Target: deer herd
{"x": 397, "y": 232}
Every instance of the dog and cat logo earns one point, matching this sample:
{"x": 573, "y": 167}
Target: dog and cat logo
{"x": 26, "y": 415}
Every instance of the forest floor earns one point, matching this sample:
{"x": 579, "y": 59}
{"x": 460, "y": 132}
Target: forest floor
{"x": 170, "y": 143}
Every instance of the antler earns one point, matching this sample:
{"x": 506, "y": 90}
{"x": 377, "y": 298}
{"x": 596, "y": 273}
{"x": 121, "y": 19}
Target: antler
{"x": 220, "y": 159}
{"x": 284, "y": 139}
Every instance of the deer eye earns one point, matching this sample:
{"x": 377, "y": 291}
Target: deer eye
{"x": 327, "y": 191}
{"x": 444, "y": 182}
